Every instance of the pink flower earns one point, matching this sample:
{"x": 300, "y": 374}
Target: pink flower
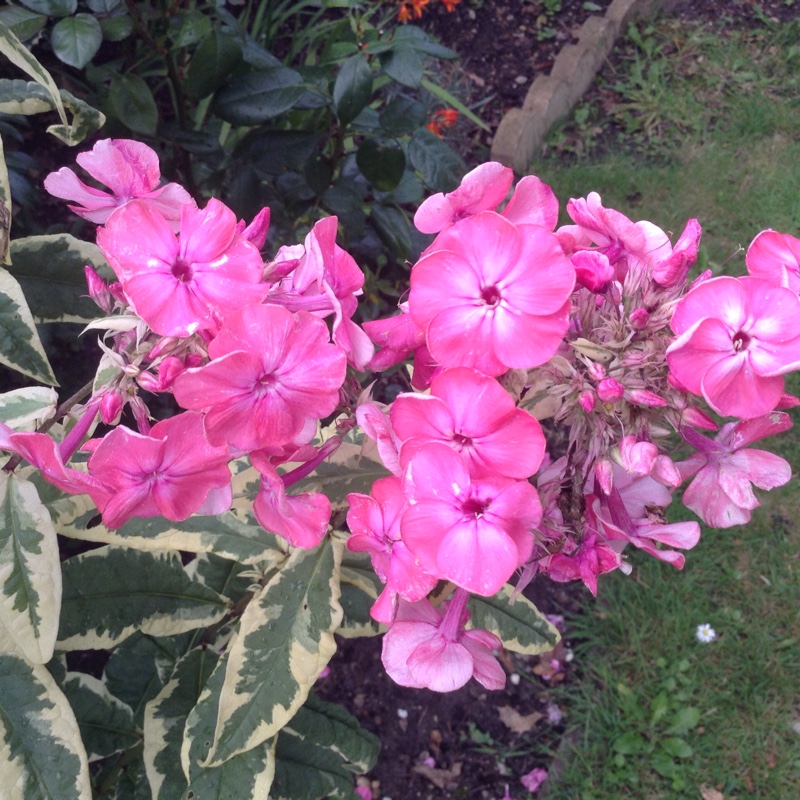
{"x": 534, "y": 779}
{"x": 130, "y": 169}
{"x": 592, "y": 558}
{"x": 272, "y": 375}
{"x": 492, "y": 295}
{"x": 474, "y": 532}
{"x": 736, "y": 337}
{"x": 474, "y": 415}
{"x": 374, "y": 522}
{"x": 184, "y": 285}
{"x": 422, "y": 649}
{"x": 174, "y": 472}
{"x": 721, "y": 493}
{"x": 775, "y": 257}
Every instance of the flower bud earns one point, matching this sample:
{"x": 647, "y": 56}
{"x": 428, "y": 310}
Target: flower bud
{"x": 110, "y": 407}
{"x": 597, "y": 371}
{"x": 609, "y": 390}
{"x": 604, "y": 474}
{"x": 98, "y": 289}
{"x": 643, "y": 397}
{"x": 587, "y": 401}
{"x": 695, "y": 418}
{"x": 639, "y": 319}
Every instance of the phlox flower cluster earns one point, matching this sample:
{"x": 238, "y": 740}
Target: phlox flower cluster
{"x": 564, "y": 382}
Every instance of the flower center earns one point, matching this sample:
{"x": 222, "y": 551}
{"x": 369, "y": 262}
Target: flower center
{"x": 474, "y": 507}
{"x": 460, "y": 441}
{"x": 182, "y": 271}
{"x": 490, "y": 295}
{"x": 740, "y": 341}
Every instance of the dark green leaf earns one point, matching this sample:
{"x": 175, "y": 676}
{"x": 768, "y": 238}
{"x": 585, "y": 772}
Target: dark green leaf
{"x": 441, "y": 167}
{"x": 684, "y": 720}
{"x": 21, "y": 22}
{"x": 629, "y": 744}
{"x": 105, "y": 6}
{"x": 392, "y": 226}
{"x": 352, "y": 89}
{"x": 76, "y": 39}
{"x": 53, "y": 8}
{"x": 409, "y": 190}
{"x": 191, "y": 28}
{"x": 259, "y": 96}
{"x": 133, "y": 103}
{"x": 404, "y": 65}
{"x": 412, "y": 36}
{"x": 213, "y": 61}
{"x": 676, "y": 747}
{"x": 402, "y": 115}
{"x": 381, "y": 163}
{"x": 115, "y": 29}
{"x": 318, "y": 172}
{"x": 344, "y": 197}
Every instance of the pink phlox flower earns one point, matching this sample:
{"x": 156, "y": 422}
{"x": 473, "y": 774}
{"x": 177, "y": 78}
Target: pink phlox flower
{"x": 475, "y": 415}
{"x": 376, "y": 425}
{"x": 642, "y": 458}
{"x": 534, "y": 779}
{"x": 627, "y": 245}
{"x": 721, "y": 493}
{"x": 258, "y": 229}
{"x": 532, "y": 203}
{"x": 593, "y": 270}
{"x": 473, "y": 532}
{"x": 397, "y": 336}
{"x": 492, "y": 295}
{"x": 775, "y": 257}
{"x": 174, "y": 472}
{"x": 586, "y": 562}
{"x": 326, "y": 280}
{"x": 302, "y": 519}
{"x": 183, "y": 285}
{"x": 736, "y": 338}
{"x": 271, "y": 375}
{"x": 425, "y": 650}
{"x": 374, "y": 522}
{"x": 364, "y": 792}
{"x": 482, "y": 189}
{"x": 130, "y": 169}
{"x": 672, "y": 270}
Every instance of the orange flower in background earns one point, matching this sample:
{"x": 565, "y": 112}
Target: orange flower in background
{"x": 411, "y": 8}
{"x": 450, "y": 5}
{"x": 441, "y": 119}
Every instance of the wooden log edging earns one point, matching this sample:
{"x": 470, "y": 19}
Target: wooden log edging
{"x": 551, "y": 97}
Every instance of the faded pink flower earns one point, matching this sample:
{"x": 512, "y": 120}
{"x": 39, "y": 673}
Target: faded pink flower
{"x": 183, "y": 285}
{"x": 474, "y": 415}
{"x": 492, "y": 295}
{"x": 736, "y": 338}
{"x": 130, "y": 169}
{"x": 775, "y": 257}
{"x": 721, "y": 493}
{"x": 473, "y": 532}
{"x": 423, "y": 649}
{"x": 272, "y": 375}
{"x": 534, "y": 779}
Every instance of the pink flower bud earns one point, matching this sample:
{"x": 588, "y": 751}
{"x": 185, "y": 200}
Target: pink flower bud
{"x": 695, "y": 418}
{"x": 115, "y": 289}
{"x": 586, "y": 400}
{"x": 609, "y": 390}
{"x": 110, "y": 407}
{"x": 604, "y": 474}
{"x": 98, "y": 289}
{"x": 639, "y": 319}
{"x": 643, "y": 397}
{"x": 597, "y": 371}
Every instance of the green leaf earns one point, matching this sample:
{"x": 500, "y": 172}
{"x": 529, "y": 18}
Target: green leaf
{"x": 318, "y": 752}
{"x": 664, "y": 765}
{"x": 402, "y": 115}
{"x": 85, "y": 120}
{"x": 248, "y": 774}
{"x": 404, "y": 65}
{"x": 111, "y": 592}
{"x": 521, "y": 626}
{"x": 284, "y": 642}
{"x": 228, "y": 578}
{"x": 165, "y": 720}
{"x": 216, "y": 57}
{"x": 21, "y": 22}
{"x": 115, "y": 29}
{"x": 352, "y": 89}
{"x": 106, "y": 723}
{"x": 52, "y": 8}
{"x": 5, "y": 208}
{"x": 360, "y": 587}
{"x": 381, "y": 163}
{"x": 225, "y": 535}
{"x": 441, "y": 167}
{"x": 50, "y": 270}
{"x": 676, "y": 747}
{"x": 412, "y": 36}
{"x": 76, "y": 39}
{"x": 30, "y": 572}
{"x": 259, "y": 96}
{"x": 392, "y": 226}
{"x": 133, "y": 103}
{"x": 43, "y": 757}
{"x": 105, "y": 6}
{"x": 630, "y": 743}
{"x": 191, "y": 28}
{"x": 684, "y": 720}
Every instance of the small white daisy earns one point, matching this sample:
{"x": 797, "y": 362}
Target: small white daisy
{"x": 705, "y": 633}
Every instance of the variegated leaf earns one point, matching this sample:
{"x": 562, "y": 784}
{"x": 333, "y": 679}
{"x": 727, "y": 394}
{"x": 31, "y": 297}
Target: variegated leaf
{"x": 24, "y": 409}
{"x": 5, "y": 208}
{"x": 20, "y": 347}
{"x": 41, "y": 755}
{"x": 246, "y": 775}
{"x": 165, "y": 719}
{"x": 227, "y": 577}
{"x": 360, "y": 589}
{"x": 113, "y": 591}
{"x": 520, "y": 625}
{"x": 106, "y": 723}
{"x": 50, "y": 270}
{"x": 285, "y": 640}
{"x": 30, "y": 572}
{"x": 85, "y": 120}
{"x": 122, "y": 777}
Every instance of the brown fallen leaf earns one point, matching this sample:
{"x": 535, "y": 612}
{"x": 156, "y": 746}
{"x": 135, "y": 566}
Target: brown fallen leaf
{"x": 439, "y": 777}
{"x": 515, "y": 721}
{"x": 708, "y": 792}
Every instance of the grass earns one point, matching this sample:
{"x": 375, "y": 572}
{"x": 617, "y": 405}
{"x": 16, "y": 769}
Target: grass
{"x": 693, "y": 121}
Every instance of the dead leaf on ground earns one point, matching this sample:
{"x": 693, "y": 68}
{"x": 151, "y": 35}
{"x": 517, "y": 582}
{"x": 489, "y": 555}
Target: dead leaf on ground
{"x": 439, "y": 777}
{"x": 708, "y": 792}
{"x": 516, "y": 722}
